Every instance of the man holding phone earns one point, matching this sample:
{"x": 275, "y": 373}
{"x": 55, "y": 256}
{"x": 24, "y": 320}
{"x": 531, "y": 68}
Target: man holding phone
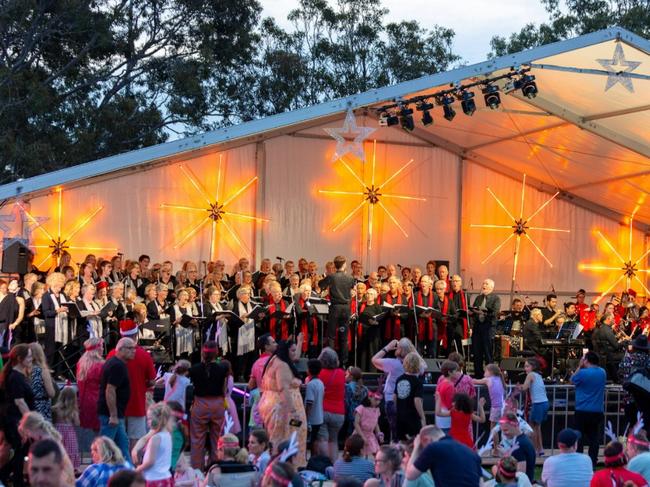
{"x": 589, "y": 380}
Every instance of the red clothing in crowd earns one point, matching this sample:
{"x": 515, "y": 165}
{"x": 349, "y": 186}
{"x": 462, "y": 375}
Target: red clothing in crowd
{"x": 607, "y": 477}
{"x": 141, "y": 371}
{"x": 460, "y": 427}
{"x": 334, "y": 397}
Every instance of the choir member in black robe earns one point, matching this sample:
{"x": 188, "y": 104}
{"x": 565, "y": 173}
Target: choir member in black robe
{"x": 277, "y": 321}
{"x": 395, "y": 321}
{"x": 134, "y": 281}
{"x": 447, "y": 324}
{"x": 368, "y": 333}
{"x": 309, "y": 324}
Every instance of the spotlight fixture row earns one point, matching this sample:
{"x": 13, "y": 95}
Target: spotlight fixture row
{"x": 401, "y": 112}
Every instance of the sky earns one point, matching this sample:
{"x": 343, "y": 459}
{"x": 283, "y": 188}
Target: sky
{"x": 474, "y": 21}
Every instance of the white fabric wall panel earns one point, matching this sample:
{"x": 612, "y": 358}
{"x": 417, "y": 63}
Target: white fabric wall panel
{"x": 565, "y": 251}
{"x": 303, "y": 218}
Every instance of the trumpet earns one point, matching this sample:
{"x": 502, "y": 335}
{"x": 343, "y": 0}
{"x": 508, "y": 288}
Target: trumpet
{"x": 621, "y": 336}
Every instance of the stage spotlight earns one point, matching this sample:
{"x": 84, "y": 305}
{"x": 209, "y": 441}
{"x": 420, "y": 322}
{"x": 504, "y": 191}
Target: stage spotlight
{"x": 446, "y": 101}
{"x": 424, "y": 107}
{"x": 467, "y": 102}
{"x": 406, "y": 119}
{"x": 387, "y": 119}
{"x": 527, "y": 86}
{"x": 491, "y": 96}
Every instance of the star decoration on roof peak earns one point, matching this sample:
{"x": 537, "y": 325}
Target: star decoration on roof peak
{"x": 350, "y": 129}
{"x": 617, "y": 68}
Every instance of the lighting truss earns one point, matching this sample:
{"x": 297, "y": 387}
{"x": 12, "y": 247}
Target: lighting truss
{"x": 519, "y": 228}
{"x": 629, "y": 267}
{"x": 371, "y": 195}
{"x": 216, "y": 209}
{"x": 58, "y": 244}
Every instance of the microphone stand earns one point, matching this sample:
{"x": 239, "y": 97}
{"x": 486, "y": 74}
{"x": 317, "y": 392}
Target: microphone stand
{"x": 417, "y": 325}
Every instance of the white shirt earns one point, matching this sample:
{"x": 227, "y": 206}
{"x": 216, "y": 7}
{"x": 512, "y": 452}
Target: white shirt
{"x": 163, "y": 461}
{"x": 641, "y": 465}
{"x": 567, "y": 470}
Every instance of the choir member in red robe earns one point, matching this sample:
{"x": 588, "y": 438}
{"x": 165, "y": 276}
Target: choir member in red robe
{"x": 394, "y": 323}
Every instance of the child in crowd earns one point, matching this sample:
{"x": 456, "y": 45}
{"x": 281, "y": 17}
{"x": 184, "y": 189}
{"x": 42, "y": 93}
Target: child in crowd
{"x": 445, "y": 393}
{"x": 538, "y": 399}
{"x": 185, "y": 475}
{"x": 176, "y": 382}
{"x": 66, "y": 419}
{"x": 366, "y": 423}
{"x": 496, "y": 384}
{"x": 462, "y": 414}
{"x": 231, "y": 407}
{"x": 179, "y": 431}
{"x": 157, "y": 444}
{"x": 355, "y": 393}
{"x": 314, "y": 393}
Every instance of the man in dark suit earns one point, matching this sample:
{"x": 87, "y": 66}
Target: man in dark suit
{"x": 484, "y": 318}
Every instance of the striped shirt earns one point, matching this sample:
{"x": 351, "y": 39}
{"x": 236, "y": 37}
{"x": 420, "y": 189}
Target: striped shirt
{"x": 358, "y": 468}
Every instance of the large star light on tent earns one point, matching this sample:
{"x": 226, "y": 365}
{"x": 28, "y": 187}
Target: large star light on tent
{"x": 216, "y": 210}
{"x": 350, "y": 130}
{"x": 372, "y": 194}
{"x": 629, "y": 268}
{"x": 617, "y": 68}
{"x": 56, "y": 245}
{"x": 519, "y": 228}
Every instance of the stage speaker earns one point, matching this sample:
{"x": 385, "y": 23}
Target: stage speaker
{"x": 513, "y": 367}
{"x": 15, "y": 255}
{"x": 434, "y": 364}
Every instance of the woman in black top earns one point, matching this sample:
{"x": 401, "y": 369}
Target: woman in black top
{"x": 208, "y": 408}
{"x": 368, "y": 339}
{"x": 14, "y": 380}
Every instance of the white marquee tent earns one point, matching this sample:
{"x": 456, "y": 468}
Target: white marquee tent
{"x": 586, "y": 136}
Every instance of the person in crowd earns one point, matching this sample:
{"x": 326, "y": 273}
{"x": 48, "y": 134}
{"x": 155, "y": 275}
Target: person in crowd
{"x": 333, "y": 379}
{"x": 353, "y": 464}
{"x": 638, "y": 453}
{"x": 278, "y": 474}
{"x": 114, "y": 393}
{"x": 393, "y": 368}
{"x": 464, "y": 384}
{"x": 366, "y": 423}
{"x": 142, "y": 376}
{"x": 41, "y": 382}
{"x": 569, "y": 468}
{"x": 539, "y": 409}
{"x": 635, "y": 359}
{"x": 126, "y": 478}
{"x": 589, "y": 381}
{"x": 45, "y": 465}
{"x": 445, "y": 393}
{"x": 506, "y": 475}
{"x": 89, "y": 376}
{"x": 355, "y": 393}
{"x": 179, "y": 431}
{"x": 281, "y": 406}
{"x": 157, "y": 445}
{"x": 66, "y": 421}
{"x": 409, "y": 391}
{"x": 19, "y": 397}
{"x": 524, "y": 451}
{"x": 605, "y": 344}
{"x": 107, "y": 459}
{"x": 259, "y": 449}
{"x": 232, "y": 463}
{"x": 314, "y": 394}
{"x": 388, "y": 463}
{"x": 615, "y": 472}
{"x": 176, "y": 382}
{"x": 496, "y": 386}
{"x": 451, "y": 463}
{"x": 462, "y": 414}
{"x": 267, "y": 346}
{"x": 208, "y": 407}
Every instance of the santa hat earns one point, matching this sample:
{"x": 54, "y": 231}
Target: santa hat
{"x": 102, "y": 285}
{"x": 631, "y": 292}
{"x": 128, "y": 328}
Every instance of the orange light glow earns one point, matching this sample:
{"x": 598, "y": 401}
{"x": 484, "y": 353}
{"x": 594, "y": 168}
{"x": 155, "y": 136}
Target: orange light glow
{"x": 627, "y": 267}
{"x": 519, "y": 227}
{"x": 371, "y": 194}
{"x": 58, "y": 244}
{"x": 216, "y": 210}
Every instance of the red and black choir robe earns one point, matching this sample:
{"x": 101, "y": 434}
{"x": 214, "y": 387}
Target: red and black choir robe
{"x": 425, "y": 325}
{"x": 307, "y": 324}
{"x": 279, "y": 328}
{"x": 446, "y": 307}
{"x": 460, "y": 303}
{"x": 393, "y": 324}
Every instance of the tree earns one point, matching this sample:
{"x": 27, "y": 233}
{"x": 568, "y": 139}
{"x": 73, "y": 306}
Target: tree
{"x": 574, "y": 18}
{"x": 81, "y": 80}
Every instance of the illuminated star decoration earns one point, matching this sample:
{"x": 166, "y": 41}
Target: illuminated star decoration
{"x": 519, "y": 228}
{"x": 617, "y": 68}
{"x": 628, "y": 267}
{"x": 216, "y": 210}
{"x": 372, "y": 195}
{"x": 29, "y": 223}
{"x": 351, "y": 130}
{"x": 56, "y": 245}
